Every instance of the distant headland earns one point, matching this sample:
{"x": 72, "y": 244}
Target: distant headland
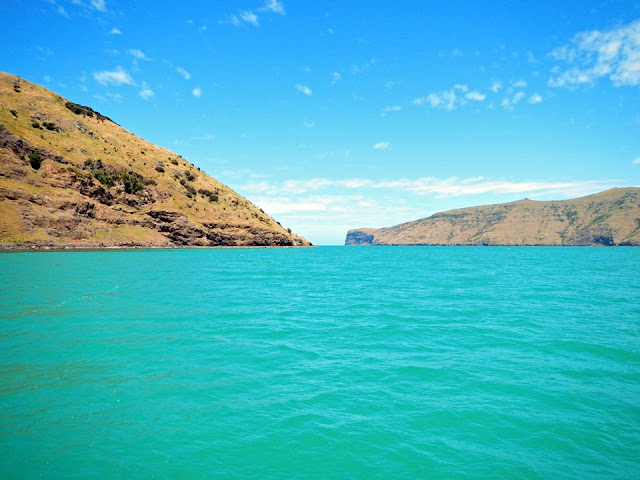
{"x": 609, "y": 218}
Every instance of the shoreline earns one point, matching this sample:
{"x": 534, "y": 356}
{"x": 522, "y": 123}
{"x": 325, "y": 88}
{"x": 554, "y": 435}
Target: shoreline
{"x": 73, "y": 248}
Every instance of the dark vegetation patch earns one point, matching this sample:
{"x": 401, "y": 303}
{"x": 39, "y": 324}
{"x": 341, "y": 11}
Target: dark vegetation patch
{"x": 51, "y": 126}
{"x": 14, "y": 113}
{"x": 212, "y": 196}
{"x": 35, "y": 159}
{"x": 86, "y": 111}
{"x": 133, "y": 182}
{"x": 191, "y": 192}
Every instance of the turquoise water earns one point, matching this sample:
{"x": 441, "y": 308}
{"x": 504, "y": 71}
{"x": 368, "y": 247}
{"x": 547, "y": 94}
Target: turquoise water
{"x": 335, "y": 362}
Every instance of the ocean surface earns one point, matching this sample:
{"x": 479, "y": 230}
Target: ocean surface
{"x": 332, "y": 362}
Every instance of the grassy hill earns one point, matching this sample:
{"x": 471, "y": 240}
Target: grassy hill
{"x": 71, "y": 177}
{"x": 607, "y": 218}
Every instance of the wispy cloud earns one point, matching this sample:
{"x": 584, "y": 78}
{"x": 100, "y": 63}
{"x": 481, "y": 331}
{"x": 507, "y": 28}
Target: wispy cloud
{"x": 138, "y": 54}
{"x": 146, "y": 92}
{"x": 475, "y": 96}
{"x": 382, "y": 146}
{"x": 184, "y": 73}
{"x": 495, "y": 87}
{"x": 196, "y": 92}
{"x": 273, "y": 6}
{"x": 635, "y": 161}
{"x": 519, "y": 84}
{"x": 457, "y": 52}
{"x": 115, "y": 77}
{"x": 115, "y": 31}
{"x": 594, "y": 54}
{"x": 99, "y": 5}
{"x": 391, "y": 108}
{"x": 438, "y": 187}
{"x": 335, "y": 78}
{"x": 363, "y": 67}
{"x": 249, "y": 17}
{"x": 535, "y": 98}
{"x": 447, "y": 100}
{"x": 62, "y": 11}
{"x": 304, "y": 89}
{"x": 508, "y": 103}
{"x": 309, "y": 124}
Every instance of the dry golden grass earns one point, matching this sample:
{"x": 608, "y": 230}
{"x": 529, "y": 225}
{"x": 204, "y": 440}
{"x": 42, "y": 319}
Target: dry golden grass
{"x": 78, "y": 139}
{"x": 609, "y": 217}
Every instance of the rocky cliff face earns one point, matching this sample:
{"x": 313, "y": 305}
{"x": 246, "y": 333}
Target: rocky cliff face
{"x": 70, "y": 177}
{"x": 608, "y": 218}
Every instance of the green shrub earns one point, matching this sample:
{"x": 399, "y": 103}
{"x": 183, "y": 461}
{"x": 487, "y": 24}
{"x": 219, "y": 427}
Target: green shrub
{"x": 35, "y": 159}
{"x": 212, "y": 196}
{"x": 160, "y": 169}
{"x": 132, "y": 182}
{"x": 191, "y": 192}
{"x": 104, "y": 178}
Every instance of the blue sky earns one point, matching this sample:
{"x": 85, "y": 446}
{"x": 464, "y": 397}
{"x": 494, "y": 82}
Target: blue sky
{"x": 337, "y": 115}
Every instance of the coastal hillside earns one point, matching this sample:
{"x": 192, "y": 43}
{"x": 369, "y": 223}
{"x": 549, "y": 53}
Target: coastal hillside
{"x": 71, "y": 177}
{"x": 607, "y": 218}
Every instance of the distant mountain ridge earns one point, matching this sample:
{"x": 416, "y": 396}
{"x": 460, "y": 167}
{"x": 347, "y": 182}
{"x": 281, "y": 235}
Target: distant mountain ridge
{"x": 71, "y": 177}
{"x": 607, "y": 218}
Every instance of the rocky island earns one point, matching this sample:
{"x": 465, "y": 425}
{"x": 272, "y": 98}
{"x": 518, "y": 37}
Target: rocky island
{"x": 607, "y": 218}
{"x": 72, "y": 178}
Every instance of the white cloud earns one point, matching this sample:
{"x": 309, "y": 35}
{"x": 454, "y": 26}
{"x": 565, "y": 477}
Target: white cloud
{"x": 509, "y": 102}
{"x": 476, "y": 96}
{"x": 456, "y": 52}
{"x": 519, "y": 84}
{"x": 99, "y": 5}
{"x": 391, "y": 108}
{"x": 47, "y": 78}
{"x": 62, "y": 11}
{"x": 363, "y": 67}
{"x": 591, "y": 55}
{"x": 273, "y": 6}
{"x": 462, "y": 88}
{"x": 495, "y": 87}
{"x": 335, "y": 78}
{"x": 439, "y": 187}
{"x": 196, "y": 92}
{"x": 115, "y": 31}
{"x": 635, "y": 161}
{"x": 146, "y": 93}
{"x": 184, "y": 73}
{"x": 309, "y": 124}
{"x": 535, "y": 98}
{"x": 137, "y": 54}
{"x": 304, "y": 89}
{"x": 249, "y": 17}
{"x": 115, "y": 77}
{"x": 382, "y": 146}
{"x": 447, "y": 100}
